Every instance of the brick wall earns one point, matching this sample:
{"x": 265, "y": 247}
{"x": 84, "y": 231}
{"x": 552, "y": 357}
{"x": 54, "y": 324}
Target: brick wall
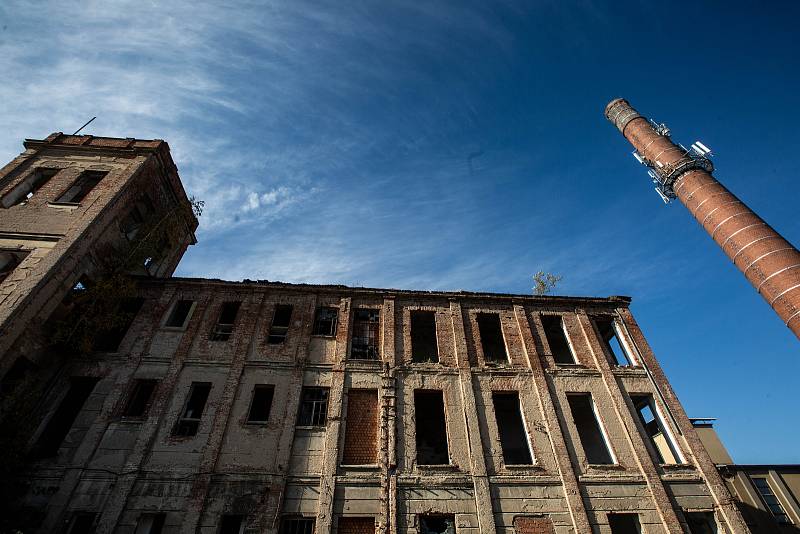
{"x": 361, "y": 427}
{"x": 356, "y": 525}
{"x": 533, "y": 525}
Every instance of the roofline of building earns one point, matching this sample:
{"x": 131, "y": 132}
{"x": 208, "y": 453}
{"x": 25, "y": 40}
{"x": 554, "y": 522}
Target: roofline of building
{"x": 761, "y": 467}
{"x": 615, "y": 300}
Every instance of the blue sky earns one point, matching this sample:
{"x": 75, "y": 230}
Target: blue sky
{"x": 455, "y": 146}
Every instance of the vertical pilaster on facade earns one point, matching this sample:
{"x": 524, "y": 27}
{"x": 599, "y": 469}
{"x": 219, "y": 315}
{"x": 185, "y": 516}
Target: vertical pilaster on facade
{"x": 555, "y": 434}
{"x": 719, "y": 492}
{"x": 480, "y": 479}
{"x": 387, "y": 522}
{"x": 330, "y": 459}
{"x": 664, "y": 504}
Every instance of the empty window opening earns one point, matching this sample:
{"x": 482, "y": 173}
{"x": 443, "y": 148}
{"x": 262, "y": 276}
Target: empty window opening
{"x": 136, "y": 218}
{"x": 424, "y": 347}
{"x": 366, "y": 324}
{"x": 361, "y": 428}
{"x": 491, "y": 333}
{"x": 82, "y": 523}
{"x": 151, "y": 523}
{"x": 771, "y": 500}
{"x": 81, "y": 187}
{"x": 356, "y": 525}
{"x": 510, "y": 425}
{"x": 624, "y": 523}
{"x": 140, "y": 397}
{"x": 701, "y": 522}
{"x": 231, "y": 524}
{"x": 261, "y": 403}
{"x": 227, "y": 317}
{"x": 180, "y": 312}
{"x": 189, "y": 422}
{"x": 437, "y": 524}
{"x": 533, "y": 525}
{"x": 313, "y": 407}
{"x": 109, "y": 339}
{"x": 9, "y": 260}
{"x": 557, "y": 339}
{"x": 589, "y": 430}
{"x": 611, "y": 342}
{"x": 431, "y": 427}
{"x": 654, "y": 426}
{"x": 28, "y": 187}
{"x": 325, "y": 320}
{"x": 280, "y": 324}
{"x": 59, "y": 425}
{"x": 20, "y": 370}
{"x": 297, "y": 526}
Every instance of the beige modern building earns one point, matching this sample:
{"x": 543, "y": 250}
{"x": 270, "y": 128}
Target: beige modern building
{"x": 196, "y": 405}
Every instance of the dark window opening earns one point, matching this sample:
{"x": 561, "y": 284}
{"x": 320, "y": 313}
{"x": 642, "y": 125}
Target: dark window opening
{"x": 701, "y": 522}
{"x": 28, "y": 187}
{"x": 624, "y": 523}
{"x": 82, "y": 523}
{"x": 491, "y": 333}
{"x": 179, "y": 314}
{"x": 136, "y": 218}
{"x": 771, "y": 500}
{"x": 81, "y": 187}
{"x": 557, "y": 339}
{"x": 365, "y": 335}
{"x": 431, "y": 427}
{"x": 424, "y": 347}
{"x": 611, "y": 343}
{"x": 139, "y": 399}
{"x": 325, "y": 321}
{"x": 9, "y": 260}
{"x": 280, "y": 324}
{"x": 297, "y": 526}
{"x": 20, "y": 370}
{"x": 261, "y": 403}
{"x": 654, "y": 427}
{"x": 589, "y": 431}
{"x": 59, "y": 425}
{"x": 231, "y": 524}
{"x": 227, "y": 317}
{"x": 437, "y": 524}
{"x": 151, "y": 523}
{"x": 189, "y": 422}
{"x": 313, "y": 407}
{"x": 109, "y": 339}
{"x": 510, "y": 425}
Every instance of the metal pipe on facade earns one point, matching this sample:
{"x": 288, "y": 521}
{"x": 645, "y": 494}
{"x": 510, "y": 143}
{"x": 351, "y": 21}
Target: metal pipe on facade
{"x": 767, "y": 260}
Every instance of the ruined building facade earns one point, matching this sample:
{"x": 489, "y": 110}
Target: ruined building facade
{"x": 224, "y": 407}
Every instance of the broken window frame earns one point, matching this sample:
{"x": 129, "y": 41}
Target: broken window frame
{"x": 706, "y": 520}
{"x": 278, "y": 332}
{"x": 78, "y": 524}
{"x": 57, "y": 427}
{"x": 313, "y": 412}
{"x": 151, "y": 523}
{"x": 27, "y": 188}
{"x": 556, "y": 353}
{"x": 488, "y": 345}
{"x": 425, "y": 528}
{"x": 177, "y": 310}
{"x": 111, "y": 339}
{"x": 224, "y": 331}
{"x": 657, "y": 426}
{"x": 261, "y": 389}
{"x": 366, "y": 339}
{"x": 507, "y": 449}
{"x": 635, "y": 527}
{"x": 81, "y": 187}
{"x": 325, "y": 326}
{"x": 297, "y": 525}
{"x": 10, "y": 260}
{"x": 188, "y": 424}
{"x": 585, "y": 438}
{"x": 626, "y": 352}
{"x": 136, "y": 217}
{"x": 137, "y": 403}
{"x": 439, "y": 446}
{"x": 767, "y": 495}
{"x": 424, "y": 345}
{"x": 232, "y": 523}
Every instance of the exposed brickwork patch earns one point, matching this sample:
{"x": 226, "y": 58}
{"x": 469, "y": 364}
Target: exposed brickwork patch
{"x": 533, "y": 525}
{"x": 361, "y": 427}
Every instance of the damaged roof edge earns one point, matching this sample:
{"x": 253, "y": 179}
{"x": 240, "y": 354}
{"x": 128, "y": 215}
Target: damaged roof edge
{"x": 617, "y": 300}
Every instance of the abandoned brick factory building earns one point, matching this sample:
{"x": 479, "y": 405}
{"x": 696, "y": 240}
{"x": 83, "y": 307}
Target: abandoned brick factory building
{"x": 149, "y": 403}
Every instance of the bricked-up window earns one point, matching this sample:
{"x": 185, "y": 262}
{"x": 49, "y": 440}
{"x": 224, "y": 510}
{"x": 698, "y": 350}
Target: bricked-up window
{"x": 297, "y": 525}
{"x": 361, "y": 428}
{"x": 655, "y": 429}
{"x": 151, "y": 523}
{"x": 589, "y": 430}
{"x": 366, "y": 335}
{"x": 533, "y": 525}
{"x": 701, "y": 522}
{"x": 771, "y": 500}
{"x": 313, "y": 407}
{"x": 424, "y": 347}
{"x": 28, "y": 187}
{"x": 231, "y": 524}
{"x": 189, "y": 422}
{"x": 179, "y": 313}
{"x": 557, "y": 339}
{"x": 136, "y": 217}
{"x": 140, "y": 396}
{"x": 611, "y": 344}
{"x": 356, "y": 525}
{"x": 624, "y": 523}
{"x": 9, "y": 260}
{"x": 437, "y": 524}
{"x": 108, "y": 340}
{"x": 59, "y": 425}
{"x": 227, "y": 318}
{"x": 325, "y": 320}
{"x": 491, "y": 333}
{"x": 280, "y": 324}
{"x": 431, "y": 427}
{"x": 81, "y": 187}
{"x": 82, "y": 523}
{"x": 261, "y": 403}
{"x": 510, "y": 425}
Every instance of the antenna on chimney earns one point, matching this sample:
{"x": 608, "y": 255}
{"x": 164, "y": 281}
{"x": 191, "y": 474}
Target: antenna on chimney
{"x": 84, "y": 126}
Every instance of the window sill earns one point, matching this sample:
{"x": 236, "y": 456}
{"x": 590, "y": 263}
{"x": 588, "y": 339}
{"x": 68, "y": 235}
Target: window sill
{"x": 360, "y": 467}
{"x": 324, "y": 336}
{"x": 69, "y": 206}
{"x": 437, "y": 467}
{"x": 311, "y": 427}
{"x": 256, "y": 424}
{"x": 607, "y": 467}
{"x": 125, "y": 419}
{"x": 173, "y": 328}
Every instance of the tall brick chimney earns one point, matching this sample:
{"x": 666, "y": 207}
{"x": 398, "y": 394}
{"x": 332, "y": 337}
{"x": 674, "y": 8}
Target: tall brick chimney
{"x": 768, "y": 261}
